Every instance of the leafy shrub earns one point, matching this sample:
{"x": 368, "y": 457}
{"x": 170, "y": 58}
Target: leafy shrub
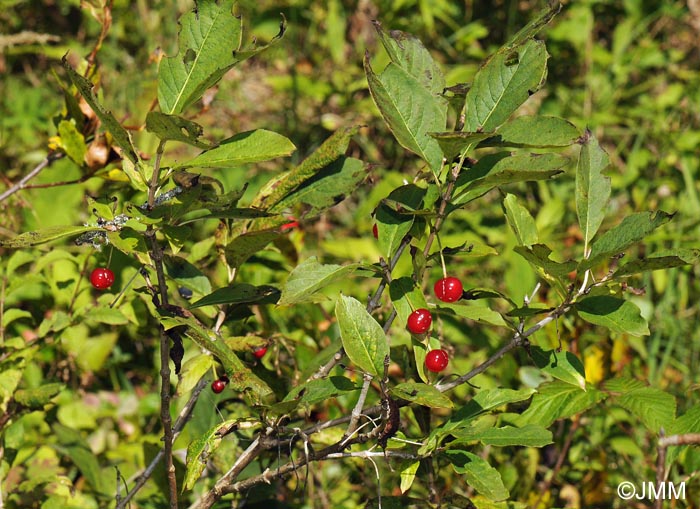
{"x": 219, "y": 248}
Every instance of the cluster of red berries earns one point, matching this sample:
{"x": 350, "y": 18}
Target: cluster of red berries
{"x": 447, "y": 289}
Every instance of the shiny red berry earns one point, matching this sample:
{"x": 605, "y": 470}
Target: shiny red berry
{"x": 419, "y": 321}
{"x": 375, "y": 231}
{"x": 436, "y": 360}
{"x": 218, "y": 386}
{"x": 260, "y": 352}
{"x": 102, "y": 278}
{"x": 448, "y": 289}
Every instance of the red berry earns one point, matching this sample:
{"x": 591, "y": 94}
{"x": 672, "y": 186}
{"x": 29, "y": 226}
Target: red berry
{"x": 419, "y": 321}
{"x": 102, "y": 278}
{"x": 260, "y": 352}
{"x": 375, "y": 231}
{"x": 448, "y": 289}
{"x": 293, "y": 223}
{"x": 436, "y": 360}
{"x": 218, "y": 386}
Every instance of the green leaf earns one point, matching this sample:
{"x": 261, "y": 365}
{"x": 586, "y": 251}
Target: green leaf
{"x": 632, "y": 229}
{"x": 477, "y": 311}
{"x": 243, "y": 148}
{"x": 17, "y": 259}
{"x": 90, "y": 351}
{"x": 107, "y": 315}
{"x": 520, "y": 221}
{"x": 479, "y": 474}
{"x": 136, "y": 173}
{"x": 121, "y": 136}
{"x": 482, "y": 402}
{"x": 193, "y": 369}
{"x": 332, "y": 149}
{"x": 320, "y": 390}
{"x": 187, "y": 274}
{"x": 238, "y": 293}
{"x": 173, "y": 127}
{"x": 423, "y": 394}
{"x": 410, "y": 110}
{"x": 592, "y": 187}
{"x": 503, "y": 84}
{"x": 28, "y": 239}
{"x": 564, "y": 366}
{"x": 72, "y": 141}
{"x": 622, "y": 385}
{"x": 241, "y": 378}
{"x": 558, "y": 400}
{"x": 9, "y": 380}
{"x": 405, "y": 297}
{"x": 534, "y": 26}
{"x": 661, "y": 260}
{"x": 363, "y": 338}
{"x": 499, "y": 169}
{"x": 35, "y": 399}
{"x": 455, "y": 143}
{"x": 72, "y": 444}
{"x": 408, "y": 474}
{"x": 128, "y": 241}
{"x": 654, "y": 407}
{"x": 689, "y": 422}
{"x": 534, "y": 132}
{"x": 408, "y": 52}
{"x": 231, "y": 213}
{"x": 209, "y": 45}
{"x": 200, "y": 450}
{"x": 327, "y": 188}
{"x": 392, "y": 225}
{"x": 530, "y": 435}
{"x": 538, "y": 255}
{"x": 618, "y": 315}
{"x": 10, "y": 315}
{"x": 244, "y": 246}
{"x": 309, "y": 277}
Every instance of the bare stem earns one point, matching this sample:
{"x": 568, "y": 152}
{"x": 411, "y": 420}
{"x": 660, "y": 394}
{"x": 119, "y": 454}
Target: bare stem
{"x": 180, "y": 422}
{"x": 53, "y": 156}
{"x": 157, "y": 257}
{"x": 518, "y": 339}
{"x": 357, "y": 411}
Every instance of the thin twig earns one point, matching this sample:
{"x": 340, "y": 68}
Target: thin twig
{"x": 156, "y": 254}
{"x": 518, "y": 339}
{"x": 357, "y": 410}
{"x": 560, "y": 461}
{"x": 50, "y": 158}
{"x": 180, "y": 422}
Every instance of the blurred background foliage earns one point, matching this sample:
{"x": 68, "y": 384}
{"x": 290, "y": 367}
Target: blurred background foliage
{"x": 627, "y": 69}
